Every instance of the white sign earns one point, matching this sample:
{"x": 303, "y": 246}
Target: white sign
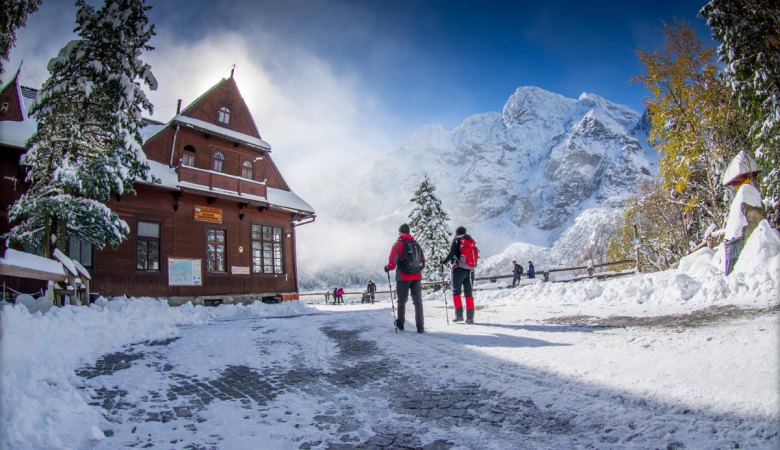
{"x": 239, "y": 270}
{"x": 184, "y": 272}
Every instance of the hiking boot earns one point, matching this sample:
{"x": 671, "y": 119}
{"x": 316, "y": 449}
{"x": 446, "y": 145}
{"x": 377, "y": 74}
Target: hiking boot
{"x": 469, "y": 320}
{"x": 421, "y": 330}
{"x": 470, "y": 316}
{"x": 458, "y": 315}
{"x": 399, "y": 325}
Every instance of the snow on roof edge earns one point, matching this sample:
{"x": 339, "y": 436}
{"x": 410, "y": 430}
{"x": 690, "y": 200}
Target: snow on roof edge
{"x": 225, "y": 132}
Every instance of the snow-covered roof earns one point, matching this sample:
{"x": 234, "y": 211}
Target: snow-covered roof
{"x": 276, "y": 197}
{"x": 223, "y": 132}
{"x": 24, "y": 260}
{"x": 16, "y": 134}
{"x": 742, "y": 164}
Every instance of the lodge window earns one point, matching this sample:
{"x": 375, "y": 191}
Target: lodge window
{"x": 188, "y": 156}
{"x": 218, "y": 162}
{"x": 267, "y": 255}
{"x": 223, "y": 115}
{"x": 4, "y": 108}
{"x": 147, "y": 246}
{"x": 80, "y": 251}
{"x": 246, "y": 170}
{"x": 215, "y": 250}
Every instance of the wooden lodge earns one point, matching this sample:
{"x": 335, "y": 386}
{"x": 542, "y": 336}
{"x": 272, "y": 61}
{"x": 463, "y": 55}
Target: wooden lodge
{"x": 220, "y": 226}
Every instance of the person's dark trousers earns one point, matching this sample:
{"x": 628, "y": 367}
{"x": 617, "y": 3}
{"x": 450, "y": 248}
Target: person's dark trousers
{"x": 403, "y": 288}
{"x": 462, "y": 277}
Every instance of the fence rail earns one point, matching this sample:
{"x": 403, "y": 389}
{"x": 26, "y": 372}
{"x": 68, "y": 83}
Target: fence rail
{"x": 492, "y": 278}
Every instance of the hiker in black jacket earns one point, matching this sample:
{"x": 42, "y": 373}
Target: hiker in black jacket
{"x": 461, "y": 277}
{"x": 517, "y": 272}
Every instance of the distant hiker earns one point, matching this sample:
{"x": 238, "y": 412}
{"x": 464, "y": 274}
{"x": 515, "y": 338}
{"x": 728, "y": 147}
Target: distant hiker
{"x": 463, "y": 255}
{"x": 340, "y": 293}
{"x": 531, "y": 270}
{"x": 517, "y": 272}
{"x": 407, "y": 258}
{"x": 335, "y": 295}
{"x": 590, "y": 267}
{"x": 371, "y": 289}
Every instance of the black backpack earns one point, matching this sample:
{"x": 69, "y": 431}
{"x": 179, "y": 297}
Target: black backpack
{"x": 412, "y": 258}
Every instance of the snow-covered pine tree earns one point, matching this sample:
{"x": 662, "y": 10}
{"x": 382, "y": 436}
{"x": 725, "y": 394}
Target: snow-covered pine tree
{"x": 88, "y": 143}
{"x": 749, "y": 31}
{"x": 428, "y": 222}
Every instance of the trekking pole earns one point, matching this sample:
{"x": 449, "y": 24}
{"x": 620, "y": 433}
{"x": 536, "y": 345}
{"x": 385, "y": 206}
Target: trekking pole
{"x": 395, "y": 324}
{"x": 446, "y": 312}
{"x": 444, "y": 290}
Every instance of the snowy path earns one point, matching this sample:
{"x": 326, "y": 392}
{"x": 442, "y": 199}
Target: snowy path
{"x": 346, "y": 380}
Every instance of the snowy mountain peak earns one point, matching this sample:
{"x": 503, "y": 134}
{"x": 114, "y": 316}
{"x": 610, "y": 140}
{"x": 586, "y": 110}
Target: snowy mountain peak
{"x": 530, "y": 103}
{"x": 523, "y": 175}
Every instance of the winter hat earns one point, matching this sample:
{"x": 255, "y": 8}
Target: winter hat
{"x": 460, "y": 230}
{"x": 404, "y": 228}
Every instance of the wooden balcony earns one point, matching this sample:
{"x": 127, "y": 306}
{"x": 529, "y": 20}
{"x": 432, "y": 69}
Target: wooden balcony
{"x": 225, "y": 182}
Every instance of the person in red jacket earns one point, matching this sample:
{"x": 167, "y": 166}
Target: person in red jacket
{"x": 406, "y": 282}
{"x": 461, "y": 278}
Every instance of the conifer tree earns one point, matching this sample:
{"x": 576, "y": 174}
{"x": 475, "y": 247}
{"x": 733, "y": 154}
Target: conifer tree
{"x": 88, "y": 143}
{"x": 428, "y": 222}
{"x": 749, "y": 31}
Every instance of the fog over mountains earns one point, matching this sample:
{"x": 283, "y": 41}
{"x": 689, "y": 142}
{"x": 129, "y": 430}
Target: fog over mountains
{"x": 535, "y": 181}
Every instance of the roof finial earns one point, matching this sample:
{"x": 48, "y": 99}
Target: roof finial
{"x": 232, "y": 70}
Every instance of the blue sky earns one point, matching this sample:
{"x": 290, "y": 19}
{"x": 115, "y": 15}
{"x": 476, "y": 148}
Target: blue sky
{"x": 430, "y": 61}
{"x": 332, "y": 83}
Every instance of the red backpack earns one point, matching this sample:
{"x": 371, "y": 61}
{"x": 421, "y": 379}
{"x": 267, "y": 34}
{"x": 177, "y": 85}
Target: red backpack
{"x": 469, "y": 254}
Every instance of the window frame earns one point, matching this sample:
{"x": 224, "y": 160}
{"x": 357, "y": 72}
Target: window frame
{"x": 82, "y": 246}
{"x": 188, "y": 152}
{"x": 223, "y": 115}
{"x": 246, "y": 164}
{"x": 223, "y": 244}
{"x": 148, "y": 239}
{"x": 215, "y": 159}
{"x": 259, "y": 249}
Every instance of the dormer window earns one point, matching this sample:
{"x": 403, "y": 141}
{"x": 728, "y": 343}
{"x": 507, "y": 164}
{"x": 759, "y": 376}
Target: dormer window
{"x": 218, "y": 162}
{"x": 188, "y": 156}
{"x": 246, "y": 170}
{"x": 223, "y": 115}
{"x": 4, "y": 108}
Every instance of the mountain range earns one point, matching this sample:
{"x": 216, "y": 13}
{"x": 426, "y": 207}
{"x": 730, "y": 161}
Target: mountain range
{"x": 537, "y": 180}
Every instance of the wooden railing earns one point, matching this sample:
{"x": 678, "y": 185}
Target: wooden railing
{"x": 217, "y": 180}
{"x": 543, "y": 275}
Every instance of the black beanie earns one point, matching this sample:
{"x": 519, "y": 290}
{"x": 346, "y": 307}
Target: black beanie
{"x": 404, "y": 228}
{"x": 460, "y": 230}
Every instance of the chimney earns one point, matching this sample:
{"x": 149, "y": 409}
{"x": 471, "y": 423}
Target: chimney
{"x": 178, "y": 107}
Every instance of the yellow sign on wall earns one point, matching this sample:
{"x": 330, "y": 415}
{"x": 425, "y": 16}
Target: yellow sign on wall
{"x": 208, "y": 214}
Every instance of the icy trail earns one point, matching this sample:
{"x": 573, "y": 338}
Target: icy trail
{"x": 346, "y": 380}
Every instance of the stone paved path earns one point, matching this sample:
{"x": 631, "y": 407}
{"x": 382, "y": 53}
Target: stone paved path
{"x": 259, "y": 383}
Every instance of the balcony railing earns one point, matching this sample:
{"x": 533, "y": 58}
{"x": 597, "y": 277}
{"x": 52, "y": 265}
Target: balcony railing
{"x": 225, "y": 182}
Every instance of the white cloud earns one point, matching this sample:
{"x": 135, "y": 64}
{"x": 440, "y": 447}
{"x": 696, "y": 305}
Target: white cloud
{"x": 321, "y": 124}
{"x": 322, "y": 119}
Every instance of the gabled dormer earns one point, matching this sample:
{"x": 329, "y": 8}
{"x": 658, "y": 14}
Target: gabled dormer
{"x": 11, "y": 104}
{"x": 214, "y": 147}
{"x": 223, "y": 106}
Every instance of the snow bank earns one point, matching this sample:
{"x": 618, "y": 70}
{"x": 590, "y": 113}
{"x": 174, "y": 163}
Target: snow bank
{"x": 42, "y": 405}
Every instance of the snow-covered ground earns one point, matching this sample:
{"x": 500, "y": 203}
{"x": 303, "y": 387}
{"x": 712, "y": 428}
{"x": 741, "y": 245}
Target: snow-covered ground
{"x": 685, "y": 357}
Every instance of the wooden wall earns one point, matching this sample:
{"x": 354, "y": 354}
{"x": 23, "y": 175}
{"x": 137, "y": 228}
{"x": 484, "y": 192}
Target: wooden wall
{"x": 182, "y": 237}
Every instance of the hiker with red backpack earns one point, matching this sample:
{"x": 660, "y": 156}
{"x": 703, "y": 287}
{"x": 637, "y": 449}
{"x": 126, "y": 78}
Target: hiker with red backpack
{"x": 408, "y": 260}
{"x": 463, "y": 255}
